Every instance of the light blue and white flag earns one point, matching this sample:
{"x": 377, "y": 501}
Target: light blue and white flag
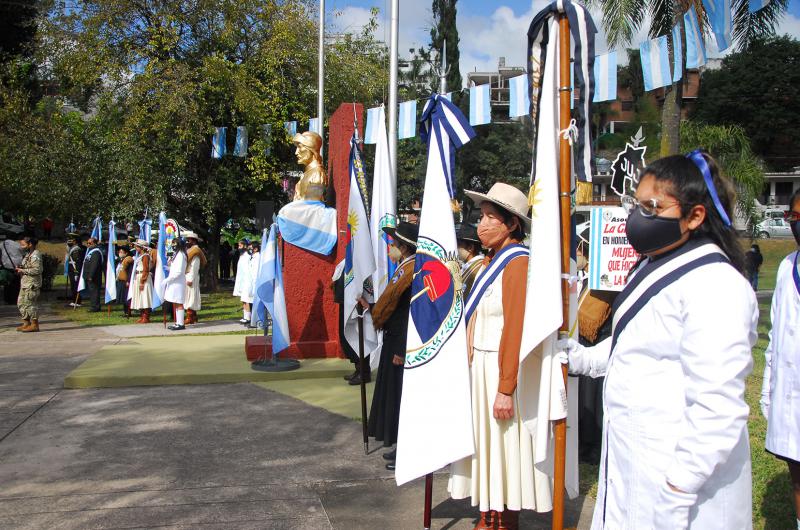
{"x": 374, "y": 116}
{"x": 359, "y": 263}
{"x": 479, "y": 108}
{"x": 218, "y": 142}
{"x": 309, "y": 225}
{"x": 756, "y": 5}
{"x": 655, "y": 63}
{"x": 145, "y": 228}
{"x": 269, "y": 295}
{"x": 383, "y": 214}
{"x": 314, "y": 126}
{"x": 436, "y": 412}
{"x": 518, "y": 102}
{"x": 448, "y": 96}
{"x": 677, "y": 54}
{"x": 240, "y": 149}
{"x": 111, "y": 270}
{"x": 605, "y": 77}
{"x": 407, "y": 120}
{"x": 695, "y": 48}
{"x": 97, "y": 229}
{"x": 161, "y": 266}
{"x": 719, "y": 15}
{"x": 291, "y": 128}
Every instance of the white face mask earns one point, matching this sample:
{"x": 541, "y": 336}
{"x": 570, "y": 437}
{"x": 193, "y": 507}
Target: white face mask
{"x": 463, "y": 254}
{"x": 395, "y": 255}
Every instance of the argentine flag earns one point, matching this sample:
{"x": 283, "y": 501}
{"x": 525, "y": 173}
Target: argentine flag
{"x": 677, "y": 54}
{"x": 371, "y": 132}
{"x": 719, "y": 15}
{"x": 269, "y": 294}
{"x": 314, "y": 126}
{"x": 435, "y": 412}
{"x": 218, "y": 143}
{"x": 407, "y": 118}
{"x": 97, "y": 229}
{"x": 145, "y": 230}
{"x": 518, "y": 102}
{"x": 111, "y": 272}
{"x": 605, "y": 77}
{"x": 479, "y": 108}
{"x": 291, "y": 127}
{"x": 695, "y": 48}
{"x": 161, "y": 268}
{"x": 240, "y": 149}
{"x": 655, "y": 63}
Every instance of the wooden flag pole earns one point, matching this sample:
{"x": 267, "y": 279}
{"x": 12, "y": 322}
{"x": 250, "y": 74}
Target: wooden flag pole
{"x": 565, "y": 185}
{"x": 426, "y": 516}
{"x": 363, "y": 382}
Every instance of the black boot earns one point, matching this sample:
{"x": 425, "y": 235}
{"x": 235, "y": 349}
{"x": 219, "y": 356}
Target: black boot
{"x": 356, "y": 379}
{"x": 348, "y": 377}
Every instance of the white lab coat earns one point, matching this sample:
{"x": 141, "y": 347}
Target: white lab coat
{"x": 782, "y": 367}
{"x": 193, "y": 291}
{"x": 242, "y": 284}
{"x": 255, "y": 263}
{"x": 674, "y": 408}
{"x": 175, "y": 283}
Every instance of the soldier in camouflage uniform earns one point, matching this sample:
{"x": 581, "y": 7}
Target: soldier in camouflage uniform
{"x": 31, "y": 285}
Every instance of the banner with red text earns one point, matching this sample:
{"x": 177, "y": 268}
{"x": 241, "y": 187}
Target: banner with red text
{"x": 610, "y": 255}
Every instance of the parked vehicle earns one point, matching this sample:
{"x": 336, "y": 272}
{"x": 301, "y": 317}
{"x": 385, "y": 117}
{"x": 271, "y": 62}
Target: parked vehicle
{"x": 773, "y": 227}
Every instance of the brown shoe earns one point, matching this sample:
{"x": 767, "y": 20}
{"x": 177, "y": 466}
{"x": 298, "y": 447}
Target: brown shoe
{"x": 508, "y": 520}
{"x": 25, "y": 324}
{"x": 145, "y": 317}
{"x": 487, "y": 521}
{"x": 34, "y": 327}
{"x": 191, "y": 316}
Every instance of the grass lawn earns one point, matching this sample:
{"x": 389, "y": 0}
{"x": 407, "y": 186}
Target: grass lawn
{"x": 774, "y": 250}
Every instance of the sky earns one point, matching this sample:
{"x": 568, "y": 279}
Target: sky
{"x": 488, "y": 29}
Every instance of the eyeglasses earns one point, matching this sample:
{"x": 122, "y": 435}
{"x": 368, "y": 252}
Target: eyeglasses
{"x": 791, "y": 216}
{"x": 649, "y": 207}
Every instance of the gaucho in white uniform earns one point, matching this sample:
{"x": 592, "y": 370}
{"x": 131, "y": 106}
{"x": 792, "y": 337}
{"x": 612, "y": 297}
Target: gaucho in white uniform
{"x": 780, "y": 399}
{"x": 676, "y": 453}
{"x": 175, "y": 283}
{"x": 242, "y": 285}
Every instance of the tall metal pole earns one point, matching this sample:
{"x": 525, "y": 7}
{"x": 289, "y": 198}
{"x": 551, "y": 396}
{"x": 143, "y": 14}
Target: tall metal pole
{"x": 443, "y": 72}
{"x": 565, "y": 183}
{"x": 321, "y": 69}
{"x": 392, "y": 103}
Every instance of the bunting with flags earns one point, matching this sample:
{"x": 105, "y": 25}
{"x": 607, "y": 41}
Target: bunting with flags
{"x": 266, "y": 133}
{"x": 435, "y": 412}
{"x": 314, "y": 125}
{"x": 218, "y": 142}
{"x": 605, "y": 77}
{"x": 240, "y": 149}
{"x": 359, "y": 262}
{"x": 518, "y": 102}
{"x": 655, "y": 63}
{"x": 695, "y": 47}
{"x": 479, "y": 108}
{"x": 719, "y": 15}
{"x": 677, "y": 54}
{"x": 111, "y": 273}
{"x": 407, "y": 118}
{"x": 374, "y": 116}
{"x": 290, "y": 127}
{"x": 269, "y": 295}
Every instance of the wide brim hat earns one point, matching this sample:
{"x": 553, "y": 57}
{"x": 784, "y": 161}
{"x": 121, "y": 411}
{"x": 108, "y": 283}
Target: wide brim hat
{"x": 467, "y": 232}
{"x": 309, "y": 139}
{"x": 188, "y": 234}
{"x": 507, "y": 197}
{"x": 141, "y": 243}
{"x": 405, "y": 232}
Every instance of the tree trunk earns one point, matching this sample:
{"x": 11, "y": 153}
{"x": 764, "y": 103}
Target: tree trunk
{"x": 211, "y": 273}
{"x": 673, "y": 101}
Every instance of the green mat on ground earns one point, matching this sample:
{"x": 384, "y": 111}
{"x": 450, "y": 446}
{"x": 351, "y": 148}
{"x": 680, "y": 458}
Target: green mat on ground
{"x": 333, "y": 395}
{"x": 186, "y": 360}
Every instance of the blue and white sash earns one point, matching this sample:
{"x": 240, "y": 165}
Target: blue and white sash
{"x": 796, "y": 273}
{"x": 490, "y": 273}
{"x": 655, "y": 276}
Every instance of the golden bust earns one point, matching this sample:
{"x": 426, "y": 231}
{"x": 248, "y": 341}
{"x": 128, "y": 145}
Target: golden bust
{"x": 315, "y": 180}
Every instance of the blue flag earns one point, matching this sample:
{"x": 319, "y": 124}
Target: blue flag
{"x": 695, "y": 48}
{"x": 218, "y": 143}
{"x": 677, "y": 54}
{"x": 161, "y": 268}
{"x": 240, "y": 149}
{"x": 655, "y": 63}
{"x": 719, "y": 15}
{"x": 97, "y": 229}
{"x": 269, "y": 294}
{"x": 605, "y": 77}
{"x": 145, "y": 230}
{"x": 111, "y": 274}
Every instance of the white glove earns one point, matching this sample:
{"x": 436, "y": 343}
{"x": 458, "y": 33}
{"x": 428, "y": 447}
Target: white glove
{"x": 671, "y": 509}
{"x": 764, "y": 402}
{"x": 565, "y": 348}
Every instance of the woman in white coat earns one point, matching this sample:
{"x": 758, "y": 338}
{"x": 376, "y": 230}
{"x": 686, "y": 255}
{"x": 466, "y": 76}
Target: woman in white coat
{"x": 675, "y": 450}
{"x": 175, "y": 283}
{"x": 780, "y": 400}
{"x": 242, "y": 284}
{"x": 255, "y": 263}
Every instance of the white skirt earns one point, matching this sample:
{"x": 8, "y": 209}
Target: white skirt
{"x": 141, "y": 299}
{"x": 501, "y": 474}
{"x": 192, "y": 297}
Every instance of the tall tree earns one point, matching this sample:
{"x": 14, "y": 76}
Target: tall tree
{"x": 623, "y": 18}
{"x": 753, "y": 89}
{"x": 444, "y": 31}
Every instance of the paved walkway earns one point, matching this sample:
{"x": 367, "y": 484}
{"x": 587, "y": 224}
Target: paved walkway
{"x": 224, "y": 456}
{"x": 157, "y": 329}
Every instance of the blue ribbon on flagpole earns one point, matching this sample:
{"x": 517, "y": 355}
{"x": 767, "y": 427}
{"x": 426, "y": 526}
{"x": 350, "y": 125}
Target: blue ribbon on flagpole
{"x": 441, "y": 114}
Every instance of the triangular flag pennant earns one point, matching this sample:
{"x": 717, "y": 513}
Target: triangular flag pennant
{"x": 719, "y": 15}
{"x": 374, "y": 116}
{"x": 677, "y": 54}
{"x": 695, "y": 48}
{"x": 605, "y": 77}
{"x": 407, "y": 118}
{"x": 218, "y": 143}
{"x": 655, "y": 63}
{"x": 479, "y": 108}
{"x": 518, "y": 102}
{"x": 241, "y": 141}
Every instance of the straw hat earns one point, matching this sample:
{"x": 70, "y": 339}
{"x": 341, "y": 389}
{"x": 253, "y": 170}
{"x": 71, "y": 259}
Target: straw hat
{"x": 188, "y": 234}
{"x": 141, "y": 243}
{"x": 309, "y": 139}
{"x": 405, "y": 232}
{"x": 507, "y": 197}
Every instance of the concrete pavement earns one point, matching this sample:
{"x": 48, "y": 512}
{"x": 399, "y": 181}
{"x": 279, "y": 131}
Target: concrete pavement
{"x": 190, "y": 456}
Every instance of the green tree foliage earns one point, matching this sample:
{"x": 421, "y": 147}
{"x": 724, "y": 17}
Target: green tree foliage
{"x": 754, "y": 89}
{"x": 445, "y": 31}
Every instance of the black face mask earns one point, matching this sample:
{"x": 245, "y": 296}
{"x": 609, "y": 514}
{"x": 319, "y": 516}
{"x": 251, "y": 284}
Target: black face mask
{"x": 648, "y": 234}
{"x": 796, "y": 230}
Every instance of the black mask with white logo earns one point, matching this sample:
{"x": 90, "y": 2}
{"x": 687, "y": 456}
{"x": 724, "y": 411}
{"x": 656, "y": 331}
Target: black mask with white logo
{"x": 648, "y": 234}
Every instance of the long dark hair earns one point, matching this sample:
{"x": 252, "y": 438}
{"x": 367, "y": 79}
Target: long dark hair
{"x": 686, "y": 183}
{"x": 180, "y": 245}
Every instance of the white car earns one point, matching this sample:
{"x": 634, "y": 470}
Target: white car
{"x": 773, "y": 227}
{"x": 11, "y": 229}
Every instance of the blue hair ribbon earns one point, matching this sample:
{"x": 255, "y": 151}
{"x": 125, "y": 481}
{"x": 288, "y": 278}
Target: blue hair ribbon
{"x": 699, "y": 160}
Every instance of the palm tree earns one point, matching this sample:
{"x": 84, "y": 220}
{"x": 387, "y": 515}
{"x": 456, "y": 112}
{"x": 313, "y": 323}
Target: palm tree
{"x": 622, "y": 19}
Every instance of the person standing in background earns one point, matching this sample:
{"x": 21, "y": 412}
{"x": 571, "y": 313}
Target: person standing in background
{"x": 141, "y": 288}
{"x": 196, "y": 261}
{"x": 10, "y": 258}
{"x": 242, "y": 284}
{"x": 752, "y": 263}
{"x": 47, "y": 227}
{"x": 91, "y": 271}
{"x": 175, "y": 283}
{"x": 30, "y": 272}
{"x": 124, "y": 270}
{"x": 471, "y": 255}
{"x": 74, "y": 257}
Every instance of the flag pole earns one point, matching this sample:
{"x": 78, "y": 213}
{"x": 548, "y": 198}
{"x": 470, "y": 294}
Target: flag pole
{"x": 565, "y": 181}
{"x": 426, "y": 516}
{"x": 363, "y": 382}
